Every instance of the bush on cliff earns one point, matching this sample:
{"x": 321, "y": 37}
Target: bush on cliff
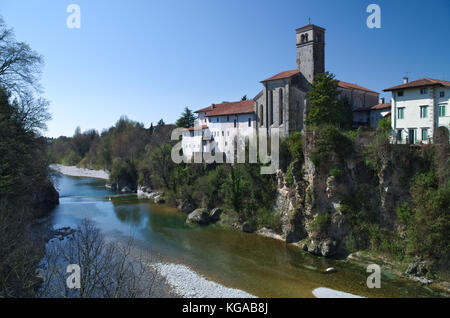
{"x": 328, "y": 141}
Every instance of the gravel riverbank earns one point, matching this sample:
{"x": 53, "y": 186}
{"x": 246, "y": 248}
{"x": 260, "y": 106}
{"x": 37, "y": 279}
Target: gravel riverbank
{"x": 189, "y": 284}
{"x": 80, "y": 172}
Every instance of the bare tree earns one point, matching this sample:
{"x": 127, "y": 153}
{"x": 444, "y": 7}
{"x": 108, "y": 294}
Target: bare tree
{"x": 110, "y": 270}
{"x": 20, "y": 66}
{"x": 32, "y": 113}
{"x": 20, "y": 70}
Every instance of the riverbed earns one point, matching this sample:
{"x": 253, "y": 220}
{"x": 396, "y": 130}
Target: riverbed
{"x": 250, "y": 263}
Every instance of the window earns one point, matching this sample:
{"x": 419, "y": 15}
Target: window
{"x": 400, "y": 93}
{"x": 424, "y": 134}
{"x": 261, "y": 115}
{"x": 228, "y": 118}
{"x": 280, "y": 105}
{"x": 223, "y": 133}
{"x": 217, "y": 119}
{"x": 235, "y": 123}
{"x": 441, "y": 110}
{"x": 423, "y": 91}
{"x": 401, "y": 113}
{"x": 249, "y": 122}
{"x": 423, "y": 111}
{"x": 304, "y": 38}
{"x": 441, "y": 94}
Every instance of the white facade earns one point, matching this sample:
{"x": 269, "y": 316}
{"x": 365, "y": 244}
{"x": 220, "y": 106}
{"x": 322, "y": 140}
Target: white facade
{"x": 218, "y": 134}
{"x": 418, "y": 112}
{"x": 225, "y": 128}
{"x": 192, "y": 141}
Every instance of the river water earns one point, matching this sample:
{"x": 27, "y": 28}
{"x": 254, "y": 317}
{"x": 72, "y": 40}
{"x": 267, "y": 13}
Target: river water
{"x": 258, "y": 265}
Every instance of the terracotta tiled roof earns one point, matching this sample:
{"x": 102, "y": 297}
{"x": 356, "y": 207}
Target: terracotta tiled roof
{"x": 205, "y": 110}
{"x": 242, "y": 107}
{"x": 381, "y": 106}
{"x": 375, "y": 107}
{"x": 354, "y": 86}
{"x": 197, "y": 128}
{"x": 288, "y": 74}
{"x": 419, "y": 83}
{"x": 285, "y": 74}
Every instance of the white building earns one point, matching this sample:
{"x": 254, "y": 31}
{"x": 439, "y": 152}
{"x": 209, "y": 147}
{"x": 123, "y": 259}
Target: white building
{"x": 419, "y": 108}
{"x": 218, "y": 127}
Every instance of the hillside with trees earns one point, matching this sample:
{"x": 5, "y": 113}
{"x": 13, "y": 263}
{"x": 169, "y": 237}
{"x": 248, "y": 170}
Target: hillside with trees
{"x": 328, "y": 196}
{"x": 26, "y": 191}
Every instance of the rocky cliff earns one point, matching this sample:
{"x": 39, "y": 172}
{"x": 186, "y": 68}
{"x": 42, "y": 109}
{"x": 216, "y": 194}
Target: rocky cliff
{"x": 44, "y": 199}
{"x": 323, "y": 208}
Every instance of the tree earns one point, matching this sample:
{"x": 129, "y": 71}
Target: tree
{"x": 187, "y": 119}
{"x": 20, "y": 66}
{"x": 24, "y": 179}
{"x": 325, "y": 105}
{"x": 244, "y": 98}
{"x": 20, "y": 69}
{"x": 161, "y": 164}
{"x": 161, "y": 122}
{"x": 107, "y": 270}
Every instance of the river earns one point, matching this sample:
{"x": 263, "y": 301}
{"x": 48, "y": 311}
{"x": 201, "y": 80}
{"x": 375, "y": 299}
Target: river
{"x": 261, "y": 266}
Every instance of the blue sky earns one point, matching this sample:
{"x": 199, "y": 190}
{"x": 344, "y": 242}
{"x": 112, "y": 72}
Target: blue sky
{"x": 150, "y": 59}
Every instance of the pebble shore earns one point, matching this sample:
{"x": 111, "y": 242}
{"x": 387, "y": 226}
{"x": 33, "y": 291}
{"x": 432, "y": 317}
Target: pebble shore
{"x": 73, "y": 171}
{"x": 189, "y": 284}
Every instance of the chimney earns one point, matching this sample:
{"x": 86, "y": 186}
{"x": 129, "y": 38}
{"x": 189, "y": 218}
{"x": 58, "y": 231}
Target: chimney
{"x": 405, "y": 80}
{"x": 382, "y": 100}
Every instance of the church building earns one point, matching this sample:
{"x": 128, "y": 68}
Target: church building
{"x": 282, "y": 103}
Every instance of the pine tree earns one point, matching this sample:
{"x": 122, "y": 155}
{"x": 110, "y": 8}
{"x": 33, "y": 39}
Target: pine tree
{"x": 325, "y": 105}
{"x": 187, "y": 119}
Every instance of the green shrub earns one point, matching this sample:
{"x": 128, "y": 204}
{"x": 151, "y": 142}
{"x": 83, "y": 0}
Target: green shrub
{"x": 321, "y": 221}
{"x": 336, "y": 172}
{"x": 72, "y": 159}
{"x": 404, "y": 213}
{"x": 330, "y": 140}
{"x": 268, "y": 218}
{"x": 124, "y": 172}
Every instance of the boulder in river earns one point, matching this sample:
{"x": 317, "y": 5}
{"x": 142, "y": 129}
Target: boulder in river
{"x": 198, "y": 216}
{"x": 214, "y": 215}
{"x": 330, "y": 270}
{"x": 248, "y": 227}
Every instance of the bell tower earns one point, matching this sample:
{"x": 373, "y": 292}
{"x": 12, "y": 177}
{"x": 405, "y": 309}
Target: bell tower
{"x": 310, "y": 52}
